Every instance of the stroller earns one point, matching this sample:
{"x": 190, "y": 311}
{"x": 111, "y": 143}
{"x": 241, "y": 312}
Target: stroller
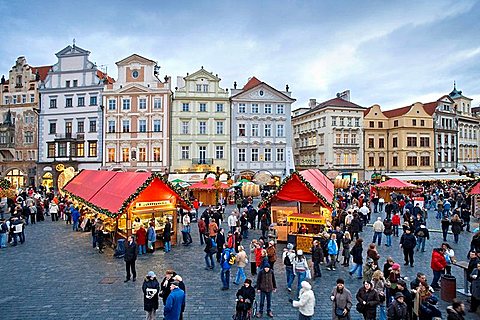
{"x": 120, "y": 249}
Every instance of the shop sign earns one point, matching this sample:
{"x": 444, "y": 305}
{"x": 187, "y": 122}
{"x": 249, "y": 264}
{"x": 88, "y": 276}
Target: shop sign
{"x": 313, "y": 220}
{"x": 420, "y": 201}
{"x": 161, "y": 203}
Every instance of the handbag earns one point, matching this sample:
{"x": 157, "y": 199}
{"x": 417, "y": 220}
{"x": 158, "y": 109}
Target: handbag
{"x": 308, "y": 274}
{"x": 339, "y": 311}
{"x": 360, "y": 307}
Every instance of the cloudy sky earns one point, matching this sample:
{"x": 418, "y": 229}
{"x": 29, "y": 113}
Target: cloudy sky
{"x": 392, "y": 53}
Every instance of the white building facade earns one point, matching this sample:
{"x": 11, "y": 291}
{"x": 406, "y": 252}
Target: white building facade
{"x": 261, "y": 130}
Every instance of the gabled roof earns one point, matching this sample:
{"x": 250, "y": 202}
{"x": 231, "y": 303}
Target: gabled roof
{"x": 335, "y": 102}
{"x": 42, "y": 71}
{"x": 69, "y": 50}
{"x": 103, "y": 76}
{"x": 395, "y": 184}
{"x": 209, "y": 185}
{"x": 397, "y": 112}
{"x": 252, "y": 83}
{"x": 430, "y": 107}
{"x": 200, "y": 72}
{"x": 135, "y": 57}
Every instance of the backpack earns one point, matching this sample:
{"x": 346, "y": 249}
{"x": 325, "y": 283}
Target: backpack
{"x": 231, "y": 260}
{"x": 214, "y": 244}
{"x": 287, "y": 261}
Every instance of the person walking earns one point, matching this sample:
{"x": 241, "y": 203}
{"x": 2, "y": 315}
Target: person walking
{"x": 300, "y": 268}
{"x": 266, "y": 284}
{"x": 242, "y": 262}
{"x": 226, "y": 267}
{"x": 202, "y": 229}
{"x": 408, "y": 243}
{"x": 130, "y": 258}
{"x": 388, "y": 231}
{"x": 396, "y": 223}
{"x": 398, "y": 308}
{"x": 288, "y": 256}
{"x": 210, "y": 250}
{"x": 368, "y": 300}
{"x": 317, "y": 258}
{"x": 151, "y": 289}
{"x": 341, "y": 301}
{"x": 357, "y": 258}
{"x": 378, "y": 229}
{"x": 176, "y": 299}
{"x": 422, "y": 235}
{"x": 457, "y": 227}
{"x": 332, "y": 249}
{"x": 445, "y": 226}
{"x": 305, "y": 302}
{"x": 438, "y": 264}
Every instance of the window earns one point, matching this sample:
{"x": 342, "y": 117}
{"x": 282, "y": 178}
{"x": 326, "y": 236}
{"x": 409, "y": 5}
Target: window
{"x": 62, "y": 149}
{"x": 68, "y": 127}
{"x": 241, "y": 130}
{"x": 254, "y": 154}
{"x": 68, "y": 102}
{"x": 157, "y": 103}
{"x": 185, "y": 107}
{"x": 112, "y": 105}
{"x": 395, "y": 161}
{"x": 380, "y": 124}
{"x": 67, "y": 83}
{"x": 32, "y": 98}
{"x": 24, "y": 98}
{"x": 280, "y": 130}
{"x": 219, "y": 154}
{"x": 338, "y": 138}
{"x": 185, "y": 127}
{"x": 381, "y": 143}
{"x": 371, "y": 142}
{"x": 14, "y": 99}
{"x": 268, "y": 154}
{"x": 412, "y": 161}
{"x": 111, "y": 154}
{"x": 142, "y": 154}
{"x": 424, "y": 161}
{"x": 280, "y": 155}
{"x": 241, "y": 108}
{"x": 81, "y": 101}
{"x": 372, "y": 124}
{"x": 202, "y": 127}
{"x": 28, "y": 137}
{"x": 111, "y": 126}
{"x": 219, "y": 107}
{"x": 219, "y": 127}
{"x": 51, "y": 149}
{"x": 411, "y": 141}
{"x": 7, "y": 100}
{"x": 334, "y": 121}
{"x": 75, "y": 83}
{"x": 268, "y": 130}
{"x": 202, "y": 107}
{"x": 268, "y": 108}
{"x": 414, "y": 122}
{"x": 202, "y": 153}
{"x": 254, "y": 108}
{"x": 452, "y": 139}
{"x": 156, "y": 154}
{"x": 92, "y": 148}
{"x": 422, "y": 123}
{"x": 93, "y": 100}
{"x": 125, "y": 154}
{"x": 349, "y": 121}
{"x": 371, "y": 161}
{"x": 157, "y": 125}
{"x": 80, "y": 149}
{"x": 93, "y": 126}
{"x": 205, "y": 88}
{"x": 395, "y": 123}
{"x": 342, "y": 122}
{"x": 126, "y": 104}
{"x": 142, "y": 104}
{"x": 53, "y": 127}
{"x": 353, "y": 138}
{"x": 280, "y": 109}
{"x": 425, "y": 141}
{"x": 255, "y": 130}
{"x": 395, "y": 142}
{"x": 241, "y": 155}
{"x": 185, "y": 152}
{"x": 80, "y": 126}
{"x": 125, "y": 126}
{"x": 142, "y": 125}
{"x": 345, "y": 138}
{"x": 381, "y": 161}
{"x": 357, "y": 122}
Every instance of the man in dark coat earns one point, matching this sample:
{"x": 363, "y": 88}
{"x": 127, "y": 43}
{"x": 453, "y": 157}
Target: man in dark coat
{"x": 167, "y": 236}
{"x": 150, "y": 289}
{"x": 130, "y": 258}
{"x": 398, "y": 309}
{"x": 408, "y": 243}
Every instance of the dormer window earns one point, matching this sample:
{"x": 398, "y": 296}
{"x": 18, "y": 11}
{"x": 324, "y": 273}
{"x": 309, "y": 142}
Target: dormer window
{"x": 18, "y": 83}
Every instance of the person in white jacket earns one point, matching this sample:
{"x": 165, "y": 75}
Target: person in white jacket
{"x": 306, "y": 302}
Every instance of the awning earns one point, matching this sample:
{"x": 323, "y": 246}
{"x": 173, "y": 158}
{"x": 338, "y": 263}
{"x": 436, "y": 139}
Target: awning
{"x": 475, "y": 189}
{"x": 395, "y": 184}
{"x": 209, "y": 185}
{"x": 88, "y": 182}
{"x": 306, "y": 218}
{"x": 428, "y": 176}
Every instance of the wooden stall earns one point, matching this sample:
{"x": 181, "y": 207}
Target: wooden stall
{"x": 127, "y": 200}
{"x": 475, "y": 198}
{"x": 399, "y": 186}
{"x": 303, "y": 199}
{"x": 209, "y": 191}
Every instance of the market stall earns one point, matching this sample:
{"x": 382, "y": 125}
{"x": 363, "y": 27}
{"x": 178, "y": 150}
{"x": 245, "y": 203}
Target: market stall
{"x": 385, "y": 188}
{"x": 209, "y": 190}
{"x": 475, "y": 198}
{"x": 127, "y": 200}
{"x": 301, "y": 207}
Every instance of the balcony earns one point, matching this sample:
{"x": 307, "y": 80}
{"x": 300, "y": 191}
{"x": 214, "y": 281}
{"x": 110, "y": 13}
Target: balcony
{"x": 197, "y": 161}
{"x": 70, "y": 136}
{"x": 7, "y": 145}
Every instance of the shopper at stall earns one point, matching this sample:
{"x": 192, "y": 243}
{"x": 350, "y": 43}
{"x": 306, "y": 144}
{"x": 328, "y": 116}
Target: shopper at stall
{"x": 151, "y": 237}
{"x": 151, "y": 289}
{"x": 167, "y": 236}
{"x": 141, "y": 240}
{"x": 341, "y": 301}
{"x": 130, "y": 258}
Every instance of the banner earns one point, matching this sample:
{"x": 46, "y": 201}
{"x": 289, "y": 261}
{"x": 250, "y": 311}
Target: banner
{"x": 307, "y": 220}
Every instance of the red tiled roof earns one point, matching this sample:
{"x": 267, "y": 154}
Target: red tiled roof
{"x": 367, "y": 111}
{"x": 430, "y": 107}
{"x": 103, "y": 75}
{"x": 396, "y": 112}
{"x": 338, "y": 102}
{"x": 42, "y": 71}
{"x": 253, "y": 82}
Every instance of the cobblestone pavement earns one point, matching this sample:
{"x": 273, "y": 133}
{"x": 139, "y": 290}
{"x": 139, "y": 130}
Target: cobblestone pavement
{"x": 57, "y": 274}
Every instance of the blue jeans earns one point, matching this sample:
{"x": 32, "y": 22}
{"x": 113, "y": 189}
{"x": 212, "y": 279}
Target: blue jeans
{"x": 94, "y": 240}
{"x": 436, "y": 276}
{"x": 444, "y": 232}
{"x": 3, "y": 240}
{"x": 225, "y": 276}
{"x": 359, "y": 268}
{"x": 439, "y": 215}
{"x": 240, "y": 274}
{"x": 167, "y": 246}
{"x": 75, "y": 226}
{"x": 211, "y": 263}
{"x": 389, "y": 240}
{"x": 301, "y": 276}
{"x": 455, "y": 237}
{"x": 421, "y": 243}
{"x": 264, "y": 295}
{"x": 377, "y": 235}
{"x": 142, "y": 249}
{"x": 245, "y": 234}
{"x": 395, "y": 230}
{"x": 290, "y": 276}
{"x": 382, "y": 312}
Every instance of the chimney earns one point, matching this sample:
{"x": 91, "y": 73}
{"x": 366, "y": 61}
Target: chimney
{"x": 312, "y": 103}
{"x": 287, "y": 87}
{"x": 345, "y": 95}
{"x": 235, "y": 85}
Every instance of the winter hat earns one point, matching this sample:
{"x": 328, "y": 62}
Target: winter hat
{"x": 151, "y": 274}
{"x": 175, "y": 283}
{"x": 248, "y": 281}
{"x": 395, "y": 266}
{"x": 369, "y": 260}
{"x": 340, "y": 280}
{"x": 299, "y": 252}
{"x": 399, "y": 295}
{"x": 289, "y": 246}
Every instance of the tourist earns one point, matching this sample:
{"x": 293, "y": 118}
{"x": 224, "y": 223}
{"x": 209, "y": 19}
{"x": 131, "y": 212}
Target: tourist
{"x": 272, "y": 234}
{"x": 332, "y": 248}
{"x": 457, "y": 227}
{"x": 251, "y": 257}
{"x": 368, "y": 300}
{"x": 341, "y": 301}
{"x": 4, "y": 227}
{"x": 141, "y": 240}
{"x": 449, "y": 257}
{"x": 151, "y": 289}
{"x": 245, "y": 297}
{"x": 398, "y": 308}
{"x": 396, "y": 223}
{"x": 75, "y": 217}
{"x": 165, "y": 285}
{"x": 408, "y": 243}
{"x": 456, "y": 311}
{"x": 130, "y": 258}
{"x": 422, "y": 235}
{"x": 242, "y": 261}
{"x": 232, "y": 221}
{"x": 300, "y": 268}
{"x": 53, "y": 209}
{"x": 475, "y": 277}
{"x": 220, "y": 241}
{"x": 305, "y": 303}
{"x": 387, "y": 231}
{"x": 378, "y": 229}
{"x": 288, "y": 256}
{"x": 226, "y": 265}
{"x": 176, "y": 299}
{"x": 379, "y": 284}
{"x": 210, "y": 250}
{"x": 266, "y": 284}
{"x": 202, "y": 229}
{"x": 271, "y": 253}
{"x": 151, "y": 237}
{"x": 445, "y": 226}
{"x": 438, "y": 264}
{"x": 317, "y": 258}
{"x": 357, "y": 258}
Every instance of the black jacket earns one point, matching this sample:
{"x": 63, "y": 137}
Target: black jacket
{"x": 453, "y": 315}
{"x": 397, "y": 311}
{"x": 408, "y": 241}
{"x": 151, "y": 289}
{"x": 317, "y": 254}
{"x": 130, "y": 251}
{"x": 388, "y": 227}
{"x": 372, "y": 300}
{"x": 167, "y": 232}
{"x": 422, "y": 233}
{"x": 356, "y": 253}
{"x": 246, "y": 293}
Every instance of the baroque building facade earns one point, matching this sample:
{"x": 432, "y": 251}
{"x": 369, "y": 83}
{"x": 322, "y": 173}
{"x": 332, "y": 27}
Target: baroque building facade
{"x": 261, "y": 130}
{"x": 19, "y": 107}
{"x": 200, "y": 131}
{"x": 137, "y": 108}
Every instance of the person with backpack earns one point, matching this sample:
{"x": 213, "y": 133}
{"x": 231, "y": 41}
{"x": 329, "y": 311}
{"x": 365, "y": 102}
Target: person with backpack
{"x": 210, "y": 250}
{"x": 226, "y": 262}
{"x": 288, "y": 256}
{"x": 422, "y": 235}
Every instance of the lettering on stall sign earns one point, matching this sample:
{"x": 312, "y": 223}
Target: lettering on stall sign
{"x": 320, "y": 220}
{"x": 152, "y": 204}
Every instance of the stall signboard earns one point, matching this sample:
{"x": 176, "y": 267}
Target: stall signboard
{"x": 308, "y": 219}
{"x": 419, "y": 200}
{"x": 162, "y": 203}
{"x": 304, "y": 243}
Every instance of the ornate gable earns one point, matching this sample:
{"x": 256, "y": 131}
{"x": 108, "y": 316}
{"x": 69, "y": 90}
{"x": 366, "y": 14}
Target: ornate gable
{"x": 135, "y": 58}
{"x": 202, "y": 73}
{"x": 263, "y": 92}
{"x": 72, "y": 51}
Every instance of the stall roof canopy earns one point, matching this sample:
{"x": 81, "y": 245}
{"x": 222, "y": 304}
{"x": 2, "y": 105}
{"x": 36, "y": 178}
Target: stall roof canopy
{"x": 428, "y": 176}
{"x": 310, "y": 186}
{"x": 395, "y": 183}
{"x": 111, "y": 192}
{"x": 475, "y": 189}
{"x": 209, "y": 185}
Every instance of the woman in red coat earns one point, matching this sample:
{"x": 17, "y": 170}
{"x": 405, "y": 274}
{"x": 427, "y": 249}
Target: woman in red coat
{"x": 142, "y": 240}
{"x": 438, "y": 265}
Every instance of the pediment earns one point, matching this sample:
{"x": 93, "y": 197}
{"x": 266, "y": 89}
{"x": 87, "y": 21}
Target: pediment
{"x": 202, "y": 73}
{"x": 69, "y": 51}
{"x": 263, "y": 92}
{"x": 135, "y": 58}
{"x": 133, "y": 89}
